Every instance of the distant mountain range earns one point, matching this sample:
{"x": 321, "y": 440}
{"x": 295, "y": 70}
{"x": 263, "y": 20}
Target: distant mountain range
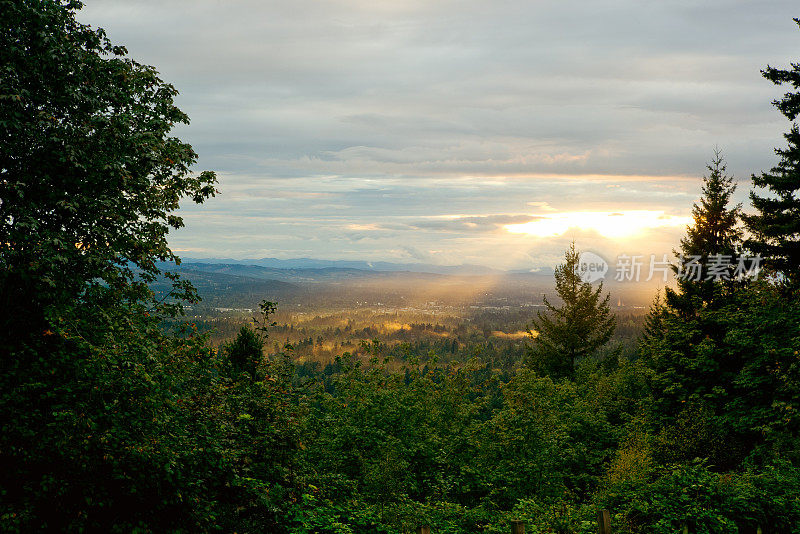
{"x": 294, "y": 275}
{"x": 382, "y": 266}
{"x": 312, "y": 283}
{"x": 243, "y": 283}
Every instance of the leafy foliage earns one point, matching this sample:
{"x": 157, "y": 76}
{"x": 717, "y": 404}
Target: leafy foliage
{"x": 89, "y": 177}
{"x": 706, "y": 502}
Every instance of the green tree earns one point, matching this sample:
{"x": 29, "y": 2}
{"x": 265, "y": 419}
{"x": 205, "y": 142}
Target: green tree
{"x": 708, "y": 343}
{"x": 682, "y": 334}
{"x": 775, "y": 228}
{"x": 711, "y": 243}
{"x": 737, "y": 365}
{"x": 246, "y": 351}
{"x": 715, "y": 223}
{"x": 89, "y": 176}
{"x": 577, "y": 329}
{"x": 654, "y": 320}
{"x": 126, "y": 427}
{"x": 719, "y": 370}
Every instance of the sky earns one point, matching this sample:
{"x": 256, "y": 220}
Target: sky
{"x": 449, "y": 132}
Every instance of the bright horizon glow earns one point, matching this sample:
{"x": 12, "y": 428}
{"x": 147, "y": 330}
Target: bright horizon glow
{"x": 610, "y": 224}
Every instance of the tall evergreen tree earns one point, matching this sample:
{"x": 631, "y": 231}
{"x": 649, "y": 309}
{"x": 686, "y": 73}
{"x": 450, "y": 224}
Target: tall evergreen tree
{"x": 715, "y": 229}
{"x": 712, "y": 242}
{"x": 775, "y": 228}
{"x": 576, "y": 329}
{"x": 708, "y": 342}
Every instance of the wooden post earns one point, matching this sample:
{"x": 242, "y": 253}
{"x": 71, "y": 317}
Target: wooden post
{"x": 424, "y": 530}
{"x": 603, "y": 522}
{"x": 517, "y": 527}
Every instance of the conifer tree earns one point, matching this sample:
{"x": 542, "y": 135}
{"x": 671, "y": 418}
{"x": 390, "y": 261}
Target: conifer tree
{"x": 245, "y": 351}
{"x": 712, "y": 242}
{"x": 575, "y": 330}
{"x": 775, "y": 228}
{"x": 654, "y": 321}
{"x": 715, "y": 228}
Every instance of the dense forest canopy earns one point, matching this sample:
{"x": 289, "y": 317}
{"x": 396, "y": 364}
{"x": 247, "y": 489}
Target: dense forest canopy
{"x": 119, "y": 416}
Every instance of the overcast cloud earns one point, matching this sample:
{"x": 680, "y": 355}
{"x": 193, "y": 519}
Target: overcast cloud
{"x": 415, "y": 130}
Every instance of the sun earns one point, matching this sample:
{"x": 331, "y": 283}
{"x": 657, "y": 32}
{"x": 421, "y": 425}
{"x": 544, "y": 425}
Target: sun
{"x": 612, "y": 225}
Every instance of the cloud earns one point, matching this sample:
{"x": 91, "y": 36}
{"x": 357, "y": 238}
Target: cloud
{"x": 342, "y": 127}
{"x": 364, "y": 227}
{"x": 544, "y": 206}
{"x": 470, "y": 224}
